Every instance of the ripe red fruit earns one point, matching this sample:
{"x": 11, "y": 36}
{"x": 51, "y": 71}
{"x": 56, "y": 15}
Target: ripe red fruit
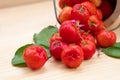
{"x": 56, "y": 48}
{"x": 99, "y": 14}
{"x": 69, "y": 32}
{"x": 35, "y": 56}
{"x": 90, "y": 6}
{"x": 106, "y": 38}
{"x": 55, "y": 37}
{"x": 97, "y": 2}
{"x": 64, "y": 3}
{"x": 78, "y": 1}
{"x": 65, "y": 14}
{"x": 61, "y": 4}
{"x": 95, "y": 24}
{"x": 80, "y": 13}
{"x": 88, "y": 36}
{"x": 71, "y": 3}
{"x": 72, "y": 56}
{"x": 88, "y": 48}
{"x": 106, "y": 8}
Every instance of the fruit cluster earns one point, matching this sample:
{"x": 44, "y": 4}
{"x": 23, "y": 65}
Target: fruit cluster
{"x": 72, "y": 45}
{"x": 71, "y": 9}
{"x": 80, "y": 32}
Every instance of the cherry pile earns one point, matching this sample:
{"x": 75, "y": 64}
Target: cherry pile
{"x": 81, "y": 31}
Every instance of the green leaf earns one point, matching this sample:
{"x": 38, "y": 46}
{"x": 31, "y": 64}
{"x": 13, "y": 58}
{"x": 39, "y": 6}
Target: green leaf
{"x": 117, "y": 45}
{"x": 113, "y": 51}
{"x": 42, "y": 38}
{"x": 18, "y": 59}
{"x": 47, "y": 51}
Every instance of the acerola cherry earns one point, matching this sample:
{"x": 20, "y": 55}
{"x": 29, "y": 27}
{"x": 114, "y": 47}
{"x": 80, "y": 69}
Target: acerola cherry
{"x": 95, "y": 24}
{"x": 72, "y": 56}
{"x": 35, "y": 56}
{"x": 55, "y": 37}
{"x": 64, "y": 3}
{"x": 69, "y": 32}
{"x": 106, "y": 8}
{"x": 65, "y": 14}
{"x": 88, "y": 36}
{"x": 80, "y": 13}
{"x": 90, "y": 6}
{"x": 97, "y": 2}
{"x": 106, "y": 38}
{"x": 78, "y": 1}
{"x": 88, "y": 48}
{"x": 99, "y": 14}
{"x": 56, "y": 48}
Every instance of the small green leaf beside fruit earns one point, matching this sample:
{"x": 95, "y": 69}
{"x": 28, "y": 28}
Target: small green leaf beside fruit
{"x": 42, "y": 39}
{"x": 113, "y": 51}
{"x": 18, "y": 59}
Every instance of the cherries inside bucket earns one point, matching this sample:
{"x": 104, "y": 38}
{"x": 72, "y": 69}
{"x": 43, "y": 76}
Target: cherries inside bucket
{"x": 107, "y": 7}
{"x": 81, "y": 31}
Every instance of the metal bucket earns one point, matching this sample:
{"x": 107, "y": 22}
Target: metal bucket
{"x": 111, "y": 23}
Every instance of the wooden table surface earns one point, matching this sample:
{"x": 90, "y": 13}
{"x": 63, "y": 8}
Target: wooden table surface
{"x": 17, "y": 26}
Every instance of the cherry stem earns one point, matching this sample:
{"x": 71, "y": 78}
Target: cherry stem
{"x": 99, "y": 50}
{"x": 84, "y": 42}
{"x": 81, "y": 10}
